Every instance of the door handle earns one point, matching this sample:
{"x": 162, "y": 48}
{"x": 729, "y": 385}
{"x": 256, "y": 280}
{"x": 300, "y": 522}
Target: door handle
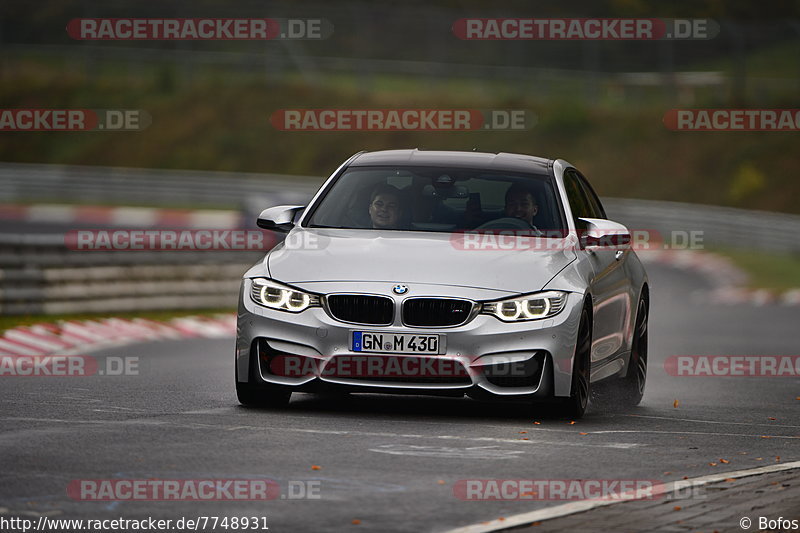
{"x": 618, "y": 255}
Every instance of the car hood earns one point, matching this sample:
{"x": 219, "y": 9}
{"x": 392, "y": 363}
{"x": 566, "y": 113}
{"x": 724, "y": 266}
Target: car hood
{"x": 340, "y": 255}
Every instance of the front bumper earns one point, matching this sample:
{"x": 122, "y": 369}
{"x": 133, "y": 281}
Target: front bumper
{"x": 483, "y": 358}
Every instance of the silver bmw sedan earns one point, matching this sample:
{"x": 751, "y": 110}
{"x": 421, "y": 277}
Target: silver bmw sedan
{"x": 496, "y": 276}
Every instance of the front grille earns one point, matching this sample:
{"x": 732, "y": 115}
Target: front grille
{"x": 432, "y": 312}
{"x": 361, "y": 308}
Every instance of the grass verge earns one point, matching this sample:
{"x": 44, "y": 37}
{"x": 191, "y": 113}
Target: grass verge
{"x": 766, "y": 270}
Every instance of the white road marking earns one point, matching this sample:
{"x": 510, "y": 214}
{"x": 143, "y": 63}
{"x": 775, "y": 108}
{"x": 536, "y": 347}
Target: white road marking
{"x": 81, "y": 399}
{"x": 567, "y": 509}
{"x": 559, "y": 443}
{"x": 554, "y": 443}
{"x": 712, "y": 421}
{"x": 478, "y": 452}
{"x": 759, "y": 435}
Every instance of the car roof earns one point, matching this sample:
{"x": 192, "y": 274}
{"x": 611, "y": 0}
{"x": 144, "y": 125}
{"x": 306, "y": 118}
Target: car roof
{"x": 499, "y": 161}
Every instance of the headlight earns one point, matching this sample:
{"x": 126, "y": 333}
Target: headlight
{"x": 529, "y": 307}
{"x": 276, "y": 296}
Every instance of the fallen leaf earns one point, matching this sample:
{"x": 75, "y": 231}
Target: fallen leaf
{"x": 522, "y": 432}
{"x": 724, "y": 461}
{"x": 440, "y": 482}
{"x": 778, "y": 459}
{"x": 316, "y": 467}
{"x": 667, "y": 473}
{"x": 759, "y": 458}
{"x": 525, "y": 438}
{"x": 771, "y": 418}
{"x": 537, "y": 423}
{"x": 572, "y": 423}
{"x": 676, "y": 508}
{"x": 765, "y": 437}
{"x": 798, "y": 398}
{"x": 675, "y": 404}
{"x": 685, "y": 477}
{"x": 582, "y": 433}
{"x": 712, "y": 464}
{"x": 536, "y": 524}
{"x": 502, "y": 518}
{"x": 729, "y": 479}
{"x": 356, "y": 521}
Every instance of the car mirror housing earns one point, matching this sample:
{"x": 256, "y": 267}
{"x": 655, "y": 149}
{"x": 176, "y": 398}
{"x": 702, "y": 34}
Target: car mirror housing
{"x": 279, "y": 218}
{"x": 607, "y": 234}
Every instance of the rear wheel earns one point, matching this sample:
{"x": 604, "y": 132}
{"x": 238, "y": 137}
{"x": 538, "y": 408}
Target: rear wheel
{"x": 631, "y": 387}
{"x": 627, "y": 392}
{"x": 257, "y": 393}
{"x": 575, "y": 406}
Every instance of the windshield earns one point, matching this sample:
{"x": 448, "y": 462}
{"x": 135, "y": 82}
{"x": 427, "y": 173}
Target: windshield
{"x": 439, "y": 199}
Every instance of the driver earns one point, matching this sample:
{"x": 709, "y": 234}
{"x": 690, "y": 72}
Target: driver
{"x": 520, "y": 203}
{"x": 385, "y": 207}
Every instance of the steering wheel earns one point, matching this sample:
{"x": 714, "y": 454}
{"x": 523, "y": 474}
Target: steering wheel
{"x": 508, "y": 223}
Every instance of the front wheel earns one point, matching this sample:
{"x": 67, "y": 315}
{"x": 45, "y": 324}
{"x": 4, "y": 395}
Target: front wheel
{"x": 264, "y": 395}
{"x": 260, "y": 394}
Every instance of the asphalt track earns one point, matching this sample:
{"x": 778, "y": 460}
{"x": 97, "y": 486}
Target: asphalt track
{"x": 391, "y": 462}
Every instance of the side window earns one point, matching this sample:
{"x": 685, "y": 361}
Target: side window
{"x": 577, "y": 199}
{"x": 594, "y": 202}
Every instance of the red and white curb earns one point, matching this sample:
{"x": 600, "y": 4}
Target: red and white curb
{"x": 78, "y": 336}
{"x": 123, "y": 216}
{"x": 726, "y": 278}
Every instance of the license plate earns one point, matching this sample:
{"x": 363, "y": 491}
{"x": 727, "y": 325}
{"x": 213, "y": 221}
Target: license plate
{"x": 368, "y": 341}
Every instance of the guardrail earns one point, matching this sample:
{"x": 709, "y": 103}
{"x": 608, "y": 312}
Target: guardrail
{"x": 720, "y": 226}
{"x": 21, "y": 182}
{"x": 27, "y": 182}
{"x": 39, "y": 275}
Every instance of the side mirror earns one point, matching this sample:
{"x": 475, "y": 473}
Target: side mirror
{"x": 279, "y": 218}
{"x": 601, "y": 233}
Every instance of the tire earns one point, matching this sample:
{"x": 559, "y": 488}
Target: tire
{"x": 260, "y": 394}
{"x": 630, "y": 389}
{"x": 575, "y": 406}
